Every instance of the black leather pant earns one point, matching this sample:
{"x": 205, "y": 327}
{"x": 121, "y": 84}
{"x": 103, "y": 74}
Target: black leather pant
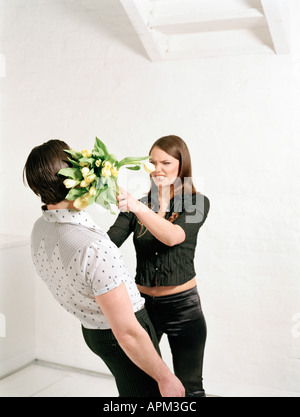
{"x": 181, "y": 318}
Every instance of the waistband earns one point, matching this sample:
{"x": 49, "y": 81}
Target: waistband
{"x": 140, "y": 313}
{"x": 173, "y": 297}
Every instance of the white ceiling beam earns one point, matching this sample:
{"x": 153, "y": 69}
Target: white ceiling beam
{"x": 276, "y": 26}
{"x": 210, "y": 44}
{"x": 138, "y": 12}
{"x": 216, "y": 20}
{"x": 179, "y": 29}
{"x": 179, "y": 7}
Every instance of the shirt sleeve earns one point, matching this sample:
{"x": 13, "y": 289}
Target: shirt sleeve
{"x": 104, "y": 267}
{"x": 194, "y": 214}
{"x": 122, "y": 228}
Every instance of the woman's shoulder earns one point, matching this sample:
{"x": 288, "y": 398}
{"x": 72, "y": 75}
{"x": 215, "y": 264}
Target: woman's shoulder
{"x": 204, "y": 198}
{"x": 144, "y": 199}
{"x": 196, "y": 197}
{"x": 197, "y": 201}
{"x": 199, "y": 194}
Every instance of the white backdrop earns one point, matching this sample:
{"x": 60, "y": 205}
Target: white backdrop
{"x": 76, "y": 69}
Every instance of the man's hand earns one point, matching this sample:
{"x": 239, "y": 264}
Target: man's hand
{"x": 170, "y": 386}
{"x": 135, "y": 341}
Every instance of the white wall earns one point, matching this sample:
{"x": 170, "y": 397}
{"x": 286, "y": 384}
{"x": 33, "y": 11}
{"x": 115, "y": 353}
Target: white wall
{"x": 76, "y": 70}
{"x": 17, "y": 304}
{"x": 2, "y": 76}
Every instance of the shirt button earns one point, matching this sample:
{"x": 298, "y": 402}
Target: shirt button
{"x": 156, "y": 269}
{"x": 156, "y": 253}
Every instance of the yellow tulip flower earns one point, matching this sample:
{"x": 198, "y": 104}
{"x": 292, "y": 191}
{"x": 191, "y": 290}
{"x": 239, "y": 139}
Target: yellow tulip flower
{"x": 86, "y": 153}
{"x": 114, "y": 171}
{"x": 149, "y": 167}
{"x": 92, "y": 191}
{"x": 85, "y": 172}
{"x": 70, "y": 183}
{"x": 107, "y": 165}
{"x": 98, "y": 163}
{"x": 82, "y": 202}
{"x": 106, "y": 172}
{"x": 90, "y": 178}
{"x": 84, "y": 184}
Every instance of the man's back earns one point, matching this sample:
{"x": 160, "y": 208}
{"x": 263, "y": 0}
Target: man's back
{"x": 77, "y": 261}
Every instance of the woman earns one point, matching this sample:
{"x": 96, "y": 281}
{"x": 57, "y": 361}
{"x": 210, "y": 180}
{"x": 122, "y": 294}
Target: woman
{"x": 165, "y": 226}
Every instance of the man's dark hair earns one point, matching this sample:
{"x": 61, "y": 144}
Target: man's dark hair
{"x": 41, "y": 168}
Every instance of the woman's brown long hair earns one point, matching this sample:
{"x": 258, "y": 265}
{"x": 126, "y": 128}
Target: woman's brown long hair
{"x": 177, "y": 148}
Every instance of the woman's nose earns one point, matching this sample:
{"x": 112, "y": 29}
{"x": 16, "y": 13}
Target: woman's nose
{"x": 158, "y": 167}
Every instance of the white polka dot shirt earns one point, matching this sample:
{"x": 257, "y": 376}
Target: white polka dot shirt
{"x": 78, "y": 261}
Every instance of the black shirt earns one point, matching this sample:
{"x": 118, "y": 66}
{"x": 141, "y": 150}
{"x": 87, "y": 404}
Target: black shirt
{"x": 157, "y": 263}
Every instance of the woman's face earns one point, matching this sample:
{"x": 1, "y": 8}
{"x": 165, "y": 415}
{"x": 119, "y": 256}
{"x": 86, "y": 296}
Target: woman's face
{"x": 166, "y": 167}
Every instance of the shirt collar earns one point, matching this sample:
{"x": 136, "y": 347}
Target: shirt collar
{"x": 69, "y": 216}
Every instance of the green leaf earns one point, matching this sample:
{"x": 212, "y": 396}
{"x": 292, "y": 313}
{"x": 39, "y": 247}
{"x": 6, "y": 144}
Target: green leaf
{"x": 90, "y": 161}
{"x": 112, "y": 158}
{"x": 106, "y": 198}
{"x": 99, "y": 153}
{"x": 101, "y": 184}
{"x": 111, "y": 182}
{"x": 99, "y": 146}
{"x": 102, "y": 199}
{"x": 74, "y": 163}
{"x": 92, "y": 200}
{"x": 74, "y": 173}
{"x": 74, "y": 154}
{"x": 136, "y": 168}
{"x": 111, "y": 196}
{"x": 75, "y": 193}
{"x": 131, "y": 161}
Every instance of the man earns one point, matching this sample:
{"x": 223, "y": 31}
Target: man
{"x": 86, "y": 274}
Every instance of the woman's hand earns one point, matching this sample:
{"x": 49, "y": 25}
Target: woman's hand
{"x": 127, "y": 203}
{"x": 166, "y": 232}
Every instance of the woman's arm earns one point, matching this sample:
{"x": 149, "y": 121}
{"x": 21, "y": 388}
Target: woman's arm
{"x": 135, "y": 341}
{"x": 166, "y": 232}
{"x": 121, "y": 229}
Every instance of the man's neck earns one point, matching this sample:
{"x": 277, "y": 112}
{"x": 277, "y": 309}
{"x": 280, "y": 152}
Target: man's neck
{"x": 63, "y": 205}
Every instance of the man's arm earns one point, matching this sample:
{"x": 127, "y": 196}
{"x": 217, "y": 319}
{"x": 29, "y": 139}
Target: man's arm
{"x": 135, "y": 341}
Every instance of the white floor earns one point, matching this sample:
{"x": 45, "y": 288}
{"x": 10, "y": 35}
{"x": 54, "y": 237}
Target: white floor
{"x": 45, "y": 381}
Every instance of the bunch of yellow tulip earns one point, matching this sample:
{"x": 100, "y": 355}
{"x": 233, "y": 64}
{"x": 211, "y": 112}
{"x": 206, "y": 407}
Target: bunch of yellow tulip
{"x": 93, "y": 176}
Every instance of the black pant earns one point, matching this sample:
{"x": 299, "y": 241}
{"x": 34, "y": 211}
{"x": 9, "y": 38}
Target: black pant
{"x": 180, "y": 316}
{"x": 131, "y": 380}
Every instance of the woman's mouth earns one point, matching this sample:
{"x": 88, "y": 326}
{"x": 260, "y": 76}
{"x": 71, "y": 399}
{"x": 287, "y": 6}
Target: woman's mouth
{"x": 160, "y": 177}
